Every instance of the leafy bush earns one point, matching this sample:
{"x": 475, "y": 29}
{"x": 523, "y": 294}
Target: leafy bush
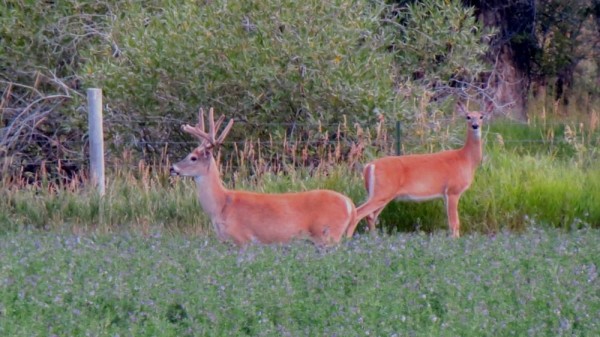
{"x": 283, "y": 64}
{"x": 439, "y": 47}
{"x": 280, "y": 68}
{"x": 41, "y": 119}
{"x": 295, "y": 64}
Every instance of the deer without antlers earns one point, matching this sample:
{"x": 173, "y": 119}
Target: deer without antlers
{"x": 321, "y": 215}
{"x": 418, "y": 177}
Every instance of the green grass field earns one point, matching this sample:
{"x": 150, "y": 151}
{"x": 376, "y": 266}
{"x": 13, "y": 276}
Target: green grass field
{"x": 543, "y": 282}
{"x": 296, "y": 76}
{"x": 142, "y": 261}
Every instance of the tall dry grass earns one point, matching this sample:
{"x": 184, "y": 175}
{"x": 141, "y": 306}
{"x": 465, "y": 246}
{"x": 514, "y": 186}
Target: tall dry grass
{"x": 542, "y": 173}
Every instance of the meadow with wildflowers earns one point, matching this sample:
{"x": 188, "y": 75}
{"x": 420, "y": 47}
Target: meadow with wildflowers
{"x": 543, "y": 282}
{"x": 142, "y": 260}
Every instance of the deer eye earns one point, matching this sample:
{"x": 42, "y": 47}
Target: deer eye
{"x": 193, "y": 158}
{"x": 481, "y": 117}
{"x": 468, "y": 118}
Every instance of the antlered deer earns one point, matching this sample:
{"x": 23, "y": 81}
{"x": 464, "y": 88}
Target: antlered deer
{"x": 418, "y": 177}
{"x": 243, "y": 217}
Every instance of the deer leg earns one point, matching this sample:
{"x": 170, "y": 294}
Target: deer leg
{"x": 372, "y": 219}
{"x": 352, "y": 227}
{"x": 452, "y": 213}
{"x": 240, "y": 242}
{"x": 370, "y": 210}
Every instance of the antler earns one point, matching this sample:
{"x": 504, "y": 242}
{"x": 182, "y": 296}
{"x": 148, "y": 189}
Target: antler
{"x": 209, "y": 140}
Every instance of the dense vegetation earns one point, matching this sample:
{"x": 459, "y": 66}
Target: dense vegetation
{"x": 539, "y": 283}
{"x": 315, "y": 89}
{"x": 282, "y": 67}
{"x": 545, "y": 175}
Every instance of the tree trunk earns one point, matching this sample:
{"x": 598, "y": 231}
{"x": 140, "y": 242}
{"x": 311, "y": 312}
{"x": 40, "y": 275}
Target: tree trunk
{"x": 511, "y": 52}
{"x": 511, "y": 85}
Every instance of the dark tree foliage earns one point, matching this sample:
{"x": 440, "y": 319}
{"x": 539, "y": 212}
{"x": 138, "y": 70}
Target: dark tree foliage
{"x": 545, "y": 40}
{"x": 512, "y": 51}
{"x": 516, "y": 21}
{"x": 596, "y": 12}
{"x": 568, "y": 35}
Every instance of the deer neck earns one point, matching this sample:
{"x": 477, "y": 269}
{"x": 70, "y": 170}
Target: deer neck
{"x": 472, "y": 148}
{"x": 211, "y": 193}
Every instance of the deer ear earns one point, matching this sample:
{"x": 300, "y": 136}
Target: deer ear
{"x": 206, "y": 153}
{"x": 202, "y": 152}
{"x": 460, "y": 106}
{"x": 489, "y": 108}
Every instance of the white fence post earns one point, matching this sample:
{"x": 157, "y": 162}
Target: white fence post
{"x": 96, "y": 134}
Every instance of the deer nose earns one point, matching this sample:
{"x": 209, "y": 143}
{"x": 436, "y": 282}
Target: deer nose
{"x": 173, "y": 171}
{"x": 475, "y": 126}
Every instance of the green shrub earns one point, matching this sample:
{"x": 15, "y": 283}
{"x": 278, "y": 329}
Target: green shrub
{"x": 267, "y": 62}
{"x": 438, "y": 45}
{"x": 282, "y": 69}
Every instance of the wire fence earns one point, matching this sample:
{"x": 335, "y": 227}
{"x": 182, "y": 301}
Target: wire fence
{"x": 393, "y": 137}
{"x": 157, "y": 139}
{"x": 417, "y": 142}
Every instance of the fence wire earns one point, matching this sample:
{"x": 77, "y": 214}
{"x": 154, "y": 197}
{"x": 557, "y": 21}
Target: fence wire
{"x": 78, "y": 148}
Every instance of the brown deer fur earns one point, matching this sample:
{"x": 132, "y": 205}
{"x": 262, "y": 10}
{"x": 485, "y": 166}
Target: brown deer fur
{"x": 418, "y": 177}
{"x": 323, "y": 216}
